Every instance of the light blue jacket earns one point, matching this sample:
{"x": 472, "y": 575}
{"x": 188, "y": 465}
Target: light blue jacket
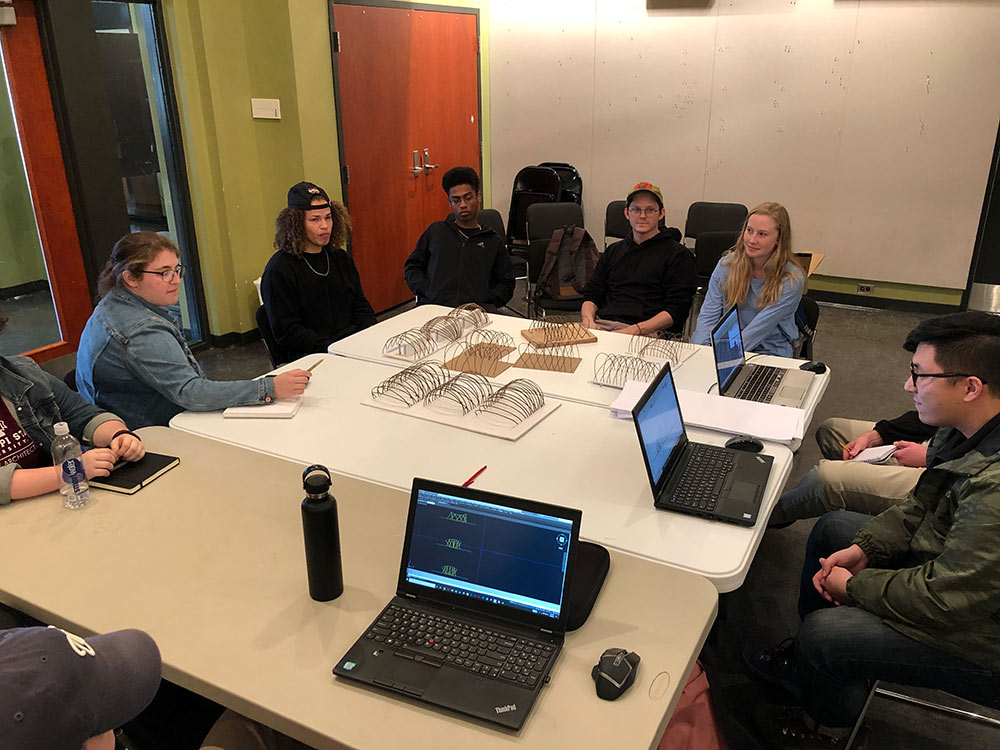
{"x": 39, "y": 400}
{"x": 768, "y": 331}
{"x": 133, "y": 360}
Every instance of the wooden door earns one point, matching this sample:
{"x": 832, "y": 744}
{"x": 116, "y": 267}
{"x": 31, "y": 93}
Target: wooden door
{"x": 46, "y": 173}
{"x": 448, "y": 124}
{"x": 408, "y": 81}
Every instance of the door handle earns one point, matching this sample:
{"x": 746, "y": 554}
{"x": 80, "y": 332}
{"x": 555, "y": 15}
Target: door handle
{"x": 417, "y": 169}
{"x": 427, "y": 161}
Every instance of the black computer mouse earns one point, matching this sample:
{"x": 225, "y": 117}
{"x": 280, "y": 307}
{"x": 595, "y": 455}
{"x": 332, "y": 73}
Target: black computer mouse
{"x": 817, "y": 367}
{"x": 747, "y": 443}
{"x": 615, "y": 672}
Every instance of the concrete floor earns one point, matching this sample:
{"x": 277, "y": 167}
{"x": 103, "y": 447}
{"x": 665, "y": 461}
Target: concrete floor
{"x": 863, "y": 349}
{"x": 32, "y": 323}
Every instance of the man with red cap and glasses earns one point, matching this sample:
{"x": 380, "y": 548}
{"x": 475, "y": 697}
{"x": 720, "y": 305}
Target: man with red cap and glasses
{"x": 645, "y": 283}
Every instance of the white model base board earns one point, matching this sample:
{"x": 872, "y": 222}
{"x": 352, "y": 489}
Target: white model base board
{"x": 483, "y": 424}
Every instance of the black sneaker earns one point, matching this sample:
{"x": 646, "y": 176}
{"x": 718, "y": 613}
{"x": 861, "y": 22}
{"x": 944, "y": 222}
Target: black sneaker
{"x": 785, "y": 728}
{"x": 775, "y": 665}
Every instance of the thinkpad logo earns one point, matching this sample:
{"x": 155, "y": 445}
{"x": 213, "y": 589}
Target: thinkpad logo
{"x": 505, "y": 709}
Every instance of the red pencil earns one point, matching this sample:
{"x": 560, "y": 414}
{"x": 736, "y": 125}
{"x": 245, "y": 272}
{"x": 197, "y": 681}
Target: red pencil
{"x": 472, "y": 479}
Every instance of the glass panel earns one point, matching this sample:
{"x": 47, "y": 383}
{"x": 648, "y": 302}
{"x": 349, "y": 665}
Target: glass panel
{"x": 24, "y": 282}
{"x": 131, "y": 65}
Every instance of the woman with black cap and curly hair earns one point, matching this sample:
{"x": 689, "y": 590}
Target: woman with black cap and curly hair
{"x": 310, "y": 287}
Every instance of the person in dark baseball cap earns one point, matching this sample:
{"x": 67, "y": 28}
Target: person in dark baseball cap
{"x": 310, "y": 287}
{"x": 59, "y": 691}
{"x": 304, "y": 196}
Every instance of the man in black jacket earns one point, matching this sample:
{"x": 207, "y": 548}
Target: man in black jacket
{"x": 457, "y": 261}
{"x": 646, "y": 282}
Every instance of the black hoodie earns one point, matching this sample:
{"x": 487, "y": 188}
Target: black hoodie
{"x": 633, "y": 282}
{"x": 451, "y": 266}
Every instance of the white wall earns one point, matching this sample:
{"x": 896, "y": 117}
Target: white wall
{"x": 873, "y": 122}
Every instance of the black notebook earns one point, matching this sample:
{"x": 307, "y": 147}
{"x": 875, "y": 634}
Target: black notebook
{"x": 128, "y": 477}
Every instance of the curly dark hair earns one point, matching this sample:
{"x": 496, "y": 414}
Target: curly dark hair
{"x": 290, "y": 229}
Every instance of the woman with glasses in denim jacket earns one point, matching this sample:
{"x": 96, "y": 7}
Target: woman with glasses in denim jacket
{"x": 31, "y": 403}
{"x": 762, "y": 277}
{"x": 132, "y": 357}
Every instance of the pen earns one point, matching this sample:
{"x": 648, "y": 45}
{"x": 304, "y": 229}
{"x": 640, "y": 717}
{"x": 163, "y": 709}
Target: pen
{"x": 472, "y": 479}
{"x": 314, "y": 365}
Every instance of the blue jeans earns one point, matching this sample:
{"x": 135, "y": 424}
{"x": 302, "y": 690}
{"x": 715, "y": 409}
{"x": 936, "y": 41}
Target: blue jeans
{"x": 841, "y": 651}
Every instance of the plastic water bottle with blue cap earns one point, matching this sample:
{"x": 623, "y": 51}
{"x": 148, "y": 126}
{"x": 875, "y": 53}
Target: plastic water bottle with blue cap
{"x": 66, "y": 453}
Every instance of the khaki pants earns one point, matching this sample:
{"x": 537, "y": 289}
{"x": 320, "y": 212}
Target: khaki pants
{"x": 836, "y": 484}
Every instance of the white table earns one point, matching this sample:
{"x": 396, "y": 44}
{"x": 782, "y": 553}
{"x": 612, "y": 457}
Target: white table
{"x": 209, "y": 560}
{"x": 578, "y": 456}
{"x": 696, "y": 373}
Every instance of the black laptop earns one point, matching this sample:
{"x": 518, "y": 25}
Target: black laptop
{"x": 480, "y": 609}
{"x": 763, "y": 383}
{"x": 704, "y": 480}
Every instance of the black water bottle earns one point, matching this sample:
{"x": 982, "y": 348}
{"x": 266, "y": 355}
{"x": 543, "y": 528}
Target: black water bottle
{"x": 322, "y": 535}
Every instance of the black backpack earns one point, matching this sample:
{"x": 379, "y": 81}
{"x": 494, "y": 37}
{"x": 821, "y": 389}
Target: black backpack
{"x": 569, "y": 263}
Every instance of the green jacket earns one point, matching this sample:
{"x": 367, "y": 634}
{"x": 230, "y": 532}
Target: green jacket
{"x": 934, "y": 560}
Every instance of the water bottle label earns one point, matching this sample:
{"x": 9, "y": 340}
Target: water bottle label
{"x": 73, "y": 473}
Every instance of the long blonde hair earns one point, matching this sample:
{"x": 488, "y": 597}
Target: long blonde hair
{"x": 737, "y": 285}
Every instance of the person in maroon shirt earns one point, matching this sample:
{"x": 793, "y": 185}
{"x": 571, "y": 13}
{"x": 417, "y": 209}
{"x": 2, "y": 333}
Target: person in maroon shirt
{"x": 31, "y": 402}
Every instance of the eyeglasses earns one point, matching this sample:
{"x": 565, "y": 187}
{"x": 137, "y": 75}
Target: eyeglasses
{"x": 914, "y": 375}
{"x": 648, "y": 211}
{"x": 168, "y": 274}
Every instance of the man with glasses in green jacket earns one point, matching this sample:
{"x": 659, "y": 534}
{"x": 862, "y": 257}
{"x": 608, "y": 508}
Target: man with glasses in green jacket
{"x": 913, "y": 595}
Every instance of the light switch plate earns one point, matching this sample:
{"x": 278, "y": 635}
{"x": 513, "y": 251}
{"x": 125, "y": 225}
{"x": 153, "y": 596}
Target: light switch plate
{"x": 266, "y": 109}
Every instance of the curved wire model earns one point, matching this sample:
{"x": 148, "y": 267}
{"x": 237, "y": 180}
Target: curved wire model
{"x": 471, "y": 315}
{"x": 615, "y": 369}
{"x": 444, "y": 327}
{"x": 412, "y": 344}
{"x": 514, "y": 402}
{"x": 668, "y": 349}
{"x": 412, "y": 384}
{"x": 465, "y": 391}
{"x": 556, "y": 330}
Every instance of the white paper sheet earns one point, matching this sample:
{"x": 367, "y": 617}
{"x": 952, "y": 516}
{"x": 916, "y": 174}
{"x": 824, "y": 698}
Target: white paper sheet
{"x": 764, "y": 421}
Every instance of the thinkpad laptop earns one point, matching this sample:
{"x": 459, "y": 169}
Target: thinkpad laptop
{"x": 704, "y": 480}
{"x": 480, "y": 609}
{"x": 770, "y": 385}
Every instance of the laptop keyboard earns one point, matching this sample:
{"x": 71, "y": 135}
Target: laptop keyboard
{"x": 761, "y": 385}
{"x": 437, "y": 640}
{"x": 703, "y": 478}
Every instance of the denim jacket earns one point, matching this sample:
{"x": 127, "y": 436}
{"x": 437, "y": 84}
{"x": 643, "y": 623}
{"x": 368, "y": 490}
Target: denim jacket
{"x": 39, "y": 400}
{"x": 132, "y": 359}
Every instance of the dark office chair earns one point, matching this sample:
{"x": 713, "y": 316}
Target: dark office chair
{"x": 616, "y": 226}
{"x": 806, "y": 318}
{"x": 570, "y": 181}
{"x": 543, "y": 220}
{"x": 708, "y": 248}
{"x": 70, "y": 379}
{"x": 490, "y": 217}
{"x": 714, "y": 217}
{"x": 275, "y": 351}
{"x": 531, "y": 185}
